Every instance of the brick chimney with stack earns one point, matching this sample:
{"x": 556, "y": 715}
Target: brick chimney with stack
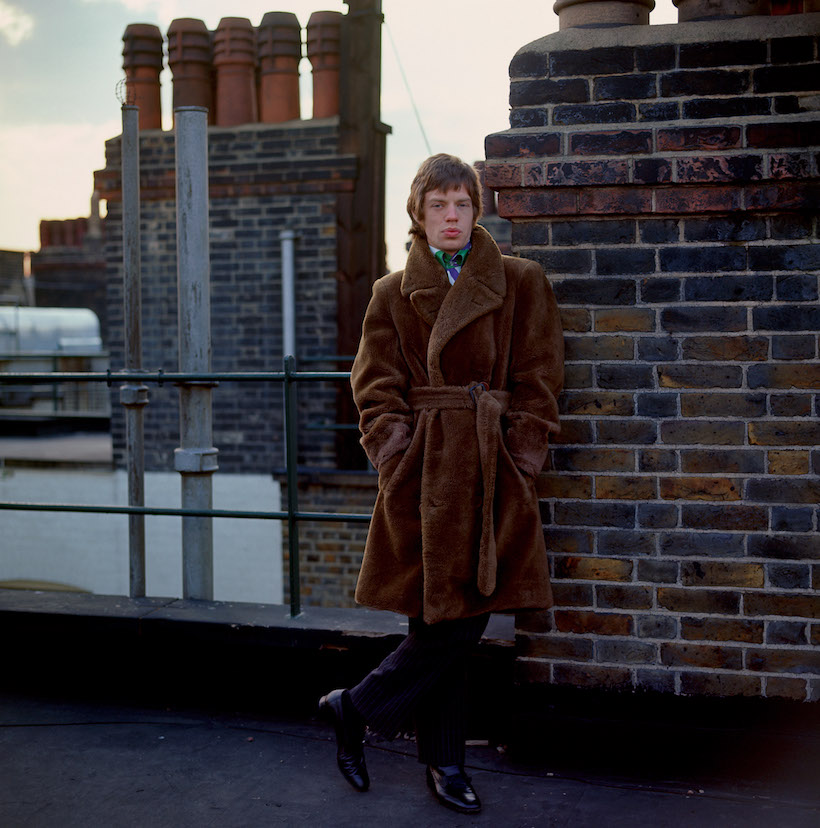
{"x": 269, "y": 171}
{"x": 666, "y": 177}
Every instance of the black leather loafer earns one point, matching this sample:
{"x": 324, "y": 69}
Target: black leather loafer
{"x": 336, "y": 708}
{"x": 451, "y": 786}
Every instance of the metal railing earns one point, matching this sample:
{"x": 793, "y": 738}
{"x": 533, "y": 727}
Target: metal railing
{"x": 79, "y": 400}
{"x": 291, "y": 515}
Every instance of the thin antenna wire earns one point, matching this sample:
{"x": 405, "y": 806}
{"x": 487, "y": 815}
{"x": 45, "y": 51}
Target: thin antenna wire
{"x": 407, "y": 86}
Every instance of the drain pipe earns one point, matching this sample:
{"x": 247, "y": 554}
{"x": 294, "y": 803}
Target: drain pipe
{"x": 134, "y": 397}
{"x": 195, "y": 459}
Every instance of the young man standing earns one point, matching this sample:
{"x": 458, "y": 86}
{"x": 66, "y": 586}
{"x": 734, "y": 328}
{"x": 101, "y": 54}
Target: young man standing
{"x": 456, "y": 379}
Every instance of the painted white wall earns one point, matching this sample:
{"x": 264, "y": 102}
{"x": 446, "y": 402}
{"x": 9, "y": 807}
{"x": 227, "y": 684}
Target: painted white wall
{"x": 90, "y": 551}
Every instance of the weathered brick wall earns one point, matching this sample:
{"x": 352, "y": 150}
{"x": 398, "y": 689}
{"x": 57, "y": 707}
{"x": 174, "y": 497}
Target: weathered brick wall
{"x": 330, "y": 553}
{"x": 262, "y": 179}
{"x": 667, "y": 180}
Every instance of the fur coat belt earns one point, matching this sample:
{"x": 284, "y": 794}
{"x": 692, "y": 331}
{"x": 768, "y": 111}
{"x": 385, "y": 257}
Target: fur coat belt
{"x": 489, "y": 407}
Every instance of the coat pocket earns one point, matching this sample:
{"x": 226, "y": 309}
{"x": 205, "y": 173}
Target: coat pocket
{"x": 506, "y": 459}
{"x": 396, "y": 474}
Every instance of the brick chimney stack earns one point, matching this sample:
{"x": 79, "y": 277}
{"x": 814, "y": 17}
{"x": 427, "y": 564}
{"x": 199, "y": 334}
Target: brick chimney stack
{"x": 142, "y": 61}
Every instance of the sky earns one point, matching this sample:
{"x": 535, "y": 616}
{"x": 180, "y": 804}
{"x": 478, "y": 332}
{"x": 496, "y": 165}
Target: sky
{"x": 60, "y": 61}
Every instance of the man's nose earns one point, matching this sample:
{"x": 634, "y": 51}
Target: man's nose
{"x": 451, "y": 212}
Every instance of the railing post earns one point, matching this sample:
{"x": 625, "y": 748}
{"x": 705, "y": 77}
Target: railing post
{"x": 134, "y": 397}
{"x": 288, "y": 239}
{"x": 195, "y": 459}
{"x": 292, "y": 478}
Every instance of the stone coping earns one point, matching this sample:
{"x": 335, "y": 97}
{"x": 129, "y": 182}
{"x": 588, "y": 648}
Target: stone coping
{"x": 756, "y": 27}
{"x": 274, "y": 618}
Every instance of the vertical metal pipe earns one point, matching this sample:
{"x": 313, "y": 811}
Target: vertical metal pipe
{"x": 134, "y": 397}
{"x": 292, "y": 478}
{"x": 195, "y": 459}
{"x": 288, "y": 237}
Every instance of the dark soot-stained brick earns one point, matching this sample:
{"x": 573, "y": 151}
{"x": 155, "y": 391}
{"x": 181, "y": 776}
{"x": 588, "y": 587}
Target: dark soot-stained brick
{"x": 727, "y": 53}
{"x": 529, "y": 64}
{"x": 605, "y": 61}
{"x": 546, "y": 91}
{"x": 624, "y": 87}
{"x": 607, "y": 113}
{"x": 704, "y": 108}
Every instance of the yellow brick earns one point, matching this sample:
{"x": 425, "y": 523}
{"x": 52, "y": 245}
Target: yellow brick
{"x": 722, "y": 573}
{"x": 788, "y": 462}
{"x": 564, "y": 486}
{"x": 625, "y": 488}
{"x": 700, "y": 488}
{"x": 626, "y": 319}
{"x": 594, "y": 569}
{"x": 574, "y": 319}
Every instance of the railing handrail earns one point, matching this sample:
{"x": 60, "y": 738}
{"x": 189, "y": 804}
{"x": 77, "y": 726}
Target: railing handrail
{"x": 159, "y": 376}
{"x": 292, "y": 514}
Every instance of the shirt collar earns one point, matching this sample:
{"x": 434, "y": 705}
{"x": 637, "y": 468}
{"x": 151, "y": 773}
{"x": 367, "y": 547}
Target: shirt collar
{"x": 447, "y": 261}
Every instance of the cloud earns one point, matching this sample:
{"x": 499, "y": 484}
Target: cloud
{"x": 15, "y": 24}
{"x": 64, "y": 156}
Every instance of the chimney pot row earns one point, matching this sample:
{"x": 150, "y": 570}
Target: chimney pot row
{"x": 608, "y": 13}
{"x": 241, "y": 74}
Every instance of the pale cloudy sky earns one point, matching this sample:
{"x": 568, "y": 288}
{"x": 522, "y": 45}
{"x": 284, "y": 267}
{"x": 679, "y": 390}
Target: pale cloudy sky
{"x": 60, "y": 61}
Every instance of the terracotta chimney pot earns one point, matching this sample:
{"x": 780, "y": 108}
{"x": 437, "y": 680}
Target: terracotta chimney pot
{"x": 279, "y": 45}
{"x": 142, "y": 61}
{"x": 573, "y": 14}
{"x": 323, "y": 48}
{"x": 235, "y": 64}
{"x": 693, "y": 10}
{"x": 190, "y": 59}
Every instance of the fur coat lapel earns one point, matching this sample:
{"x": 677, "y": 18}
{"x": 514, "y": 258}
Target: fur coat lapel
{"x": 479, "y": 289}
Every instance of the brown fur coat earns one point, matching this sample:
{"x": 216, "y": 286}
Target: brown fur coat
{"x": 457, "y": 387}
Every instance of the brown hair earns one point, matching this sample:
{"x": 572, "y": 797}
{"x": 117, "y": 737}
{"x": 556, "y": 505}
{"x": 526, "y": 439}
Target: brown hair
{"x": 441, "y": 172}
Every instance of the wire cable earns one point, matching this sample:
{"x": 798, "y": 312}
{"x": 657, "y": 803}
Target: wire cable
{"x": 407, "y": 87}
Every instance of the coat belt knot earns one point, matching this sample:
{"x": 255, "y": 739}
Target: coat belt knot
{"x": 489, "y": 407}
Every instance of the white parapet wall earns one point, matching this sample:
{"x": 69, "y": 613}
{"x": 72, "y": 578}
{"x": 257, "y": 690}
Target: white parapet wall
{"x": 90, "y": 551}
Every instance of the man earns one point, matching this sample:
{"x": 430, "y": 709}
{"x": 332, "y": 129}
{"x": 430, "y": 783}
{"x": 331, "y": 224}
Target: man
{"x": 456, "y": 378}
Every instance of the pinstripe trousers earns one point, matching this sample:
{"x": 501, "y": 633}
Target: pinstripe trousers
{"x": 424, "y": 678}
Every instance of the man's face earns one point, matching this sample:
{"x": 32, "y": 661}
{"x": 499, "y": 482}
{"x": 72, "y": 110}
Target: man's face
{"x": 447, "y": 219}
